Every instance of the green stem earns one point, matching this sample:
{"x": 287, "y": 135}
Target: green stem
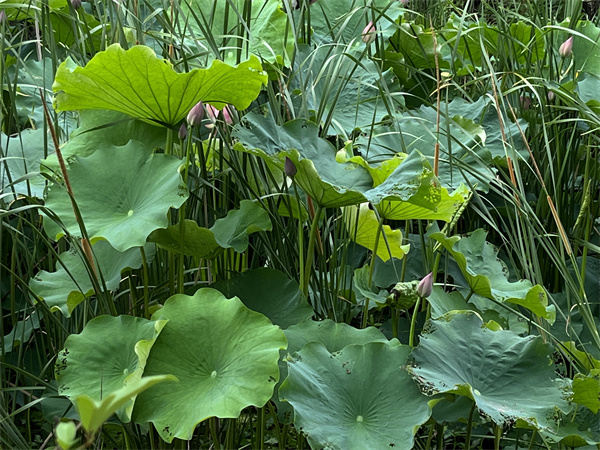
{"x": 372, "y": 270}
{"x": 310, "y": 255}
{"x": 413, "y": 322}
{"x": 181, "y": 271}
{"x": 146, "y": 295}
{"x": 497, "y": 436}
{"x": 300, "y": 236}
{"x": 213, "y": 432}
{"x": 470, "y": 428}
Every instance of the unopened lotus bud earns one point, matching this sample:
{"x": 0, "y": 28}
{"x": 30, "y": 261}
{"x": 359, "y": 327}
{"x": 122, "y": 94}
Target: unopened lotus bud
{"x": 2, "y": 17}
{"x": 76, "y": 4}
{"x": 196, "y": 114}
{"x": 425, "y": 286}
{"x": 551, "y": 96}
{"x": 566, "y": 48}
{"x": 368, "y": 34}
{"x": 182, "y": 132}
{"x": 290, "y": 168}
{"x": 404, "y": 2}
{"x": 341, "y": 156}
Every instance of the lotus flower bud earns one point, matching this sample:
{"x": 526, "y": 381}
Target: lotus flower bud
{"x": 213, "y": 113}
{"x": 551, "y": 96}
{"x": 290, "y": 168}
{"x": 182, "y": 131}
{"x": 2, "y": 17}
{"x": 404, "y": 2}
{"x": 196, "y": 114}
{"x": 368, "y": 34}
{"x": 76, "y": 4}
{"x": 425, "y": 286}
{"x": 566, "y": 48}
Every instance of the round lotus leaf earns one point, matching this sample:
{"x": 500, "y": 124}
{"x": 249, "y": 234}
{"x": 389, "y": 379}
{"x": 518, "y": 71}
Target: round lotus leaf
{"x": 224, "y": 355}
{"x": 123, "y": 194}
{"x": 109, "y": 353}
{"x": 269, "y": 292}
{"x": 359, "y": 398}
{"x": 509, "y": 377}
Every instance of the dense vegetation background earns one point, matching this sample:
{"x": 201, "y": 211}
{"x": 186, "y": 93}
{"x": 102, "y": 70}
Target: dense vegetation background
{"x": 300, "y": 224}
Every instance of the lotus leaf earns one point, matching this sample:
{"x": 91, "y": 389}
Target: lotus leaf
{"x": 109, "y": 353}
{"x": 362, "y": 225}
{"x": 334, "y": 336}
{"x": 329, "y": 183}
{"x": 94, "y": 413}
{"x": 487, "y": 275}
{"x": 70, "y": 284}
{"x": 21, "y": 331}
{"x": 19, "y": 172}
{"x": 270, "y": 36}
{"x": 224, "y": 355}
{"x": 509, "y": 377}
{"x": 586, "y": 390}
{"x": 269, "y": 292}
{"x": 143, "y": 86}
{"x": 198, "y": 241}
{"x": 357, "y": 398}
{"x": 123, "y": 194}
{"x": 100, "y": 128}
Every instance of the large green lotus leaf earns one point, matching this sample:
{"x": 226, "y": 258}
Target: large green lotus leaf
{"x": 586, "y": 390}
{"x": 99, "y": 128}
{"x": 29, "y": 77}
{"x": 412, "y": 191}
{"x": 94, "y": 413}
{"x": 70, "y": 284}
{"x": 232, "y": 230}
{"x": 197, "y": 241}
{"x": 224, "y": 355}
{"x": 21, "y": 166}
{"x": 123, "y": 194}
{"x": 343, "y": 21}
{"x": 355, "y": 399}
{"x": 66, "y": 28}
{"x": 109, "y": 353}
{"x": 345, "y": 95}
{"x": 270, "y": 35}
{"x": 329, "y": 183}
{"x": 269, "y": 292}
{"x": 487, "y": 275}
{"x": 334, "y": 336}
{"x": 586, "y": 54}
{"x": 141, "y": 85}
{"x": 508, "y": 377}
{"x": 363, "y": 231}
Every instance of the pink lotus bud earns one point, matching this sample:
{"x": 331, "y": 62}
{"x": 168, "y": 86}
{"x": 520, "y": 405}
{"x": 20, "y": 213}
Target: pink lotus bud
{"x": 551, "y": 95}
{"x": 196, "y": 114}
{"x": 566, "y": 48}
{"x": 525, "y": 102}
{"x": 425, "y": 286}
{"x": 290, "y": 168}
{"x": 182, "y": 132}
{"x": 2, "y": 17}
{"x": 76, "y": 4}
{"x": 404, "y": 2}
{"x": 369, "y": 33}
{"x": 213, "y": 114}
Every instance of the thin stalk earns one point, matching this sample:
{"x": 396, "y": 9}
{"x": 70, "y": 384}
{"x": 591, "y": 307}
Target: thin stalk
{"x": 372, "y": 270}
{"x": 469, "y": 428}
{"x": 300, "y": 236}
{"x": 146, "y": 295}
{"x": 311, "y": 249}
{"x": 413, "y": 322}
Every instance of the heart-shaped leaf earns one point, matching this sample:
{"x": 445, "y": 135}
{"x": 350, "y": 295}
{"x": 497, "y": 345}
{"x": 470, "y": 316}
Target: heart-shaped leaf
{"x": 355, "y": 399}
{"x": 123, "y": 194}
{"x": 224, "y": 355}
{"x": 141, "y": 85}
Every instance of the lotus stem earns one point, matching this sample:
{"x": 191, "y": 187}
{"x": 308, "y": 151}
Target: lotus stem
{"x": 372, "y": 270}
{"x": 310, "y": 255}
